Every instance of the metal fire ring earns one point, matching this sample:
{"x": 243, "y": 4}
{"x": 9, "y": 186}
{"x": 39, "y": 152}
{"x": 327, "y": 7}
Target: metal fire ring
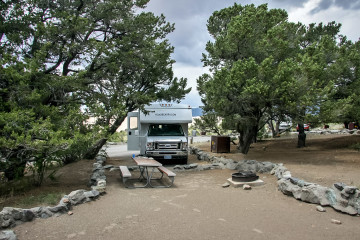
{"x": 244, "y": 176}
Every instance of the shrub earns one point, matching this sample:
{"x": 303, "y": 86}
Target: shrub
{"x": 356, "y": 146}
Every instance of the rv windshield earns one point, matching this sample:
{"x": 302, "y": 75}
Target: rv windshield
{"x": 165, "y": 130}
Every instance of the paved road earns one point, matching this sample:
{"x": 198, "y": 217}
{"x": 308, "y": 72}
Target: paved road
{"x": 121, "y": 150}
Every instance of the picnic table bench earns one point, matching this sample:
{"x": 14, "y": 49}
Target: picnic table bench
{"x": 125, "y": 174}
{"x": 168, "y": 173}
{"x": 144, "y": 163}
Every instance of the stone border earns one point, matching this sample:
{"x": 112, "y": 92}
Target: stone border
{"x": 343, "y": 131}
{"x": 341, "y": 197}
{"x": 11, "y": 217}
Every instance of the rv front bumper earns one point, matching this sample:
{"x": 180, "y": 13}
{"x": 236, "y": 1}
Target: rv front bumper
{"x": 167, "y": 154}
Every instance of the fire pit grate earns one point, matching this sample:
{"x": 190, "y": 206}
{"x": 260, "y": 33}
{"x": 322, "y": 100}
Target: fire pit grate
{"x": 244, "y": 176}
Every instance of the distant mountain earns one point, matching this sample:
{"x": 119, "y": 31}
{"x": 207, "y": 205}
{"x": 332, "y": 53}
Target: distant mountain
{"x": 197, "y": 112}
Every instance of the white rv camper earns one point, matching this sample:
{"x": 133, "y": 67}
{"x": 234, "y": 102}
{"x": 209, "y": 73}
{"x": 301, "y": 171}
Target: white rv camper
{"x": 161, "y": 132}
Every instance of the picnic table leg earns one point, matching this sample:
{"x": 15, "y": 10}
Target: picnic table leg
{"x": 142, "y": 170}
{"x": 144, "y": 174}
{"x": 162, "y": 186}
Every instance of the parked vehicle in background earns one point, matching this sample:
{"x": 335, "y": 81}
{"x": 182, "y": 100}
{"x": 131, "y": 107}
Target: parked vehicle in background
{"x": 306, "y": 127}
{"x": 283, "y": 126}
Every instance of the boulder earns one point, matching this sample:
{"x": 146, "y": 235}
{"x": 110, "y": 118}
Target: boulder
{"x": 231, "y": 165}
{"x": 204, "y": 167}
{"x": 311, "y": 193}
{"x": 7, "y": 235}
{"x": 28, "y": 215}
{"x": 286, "y": 187}
{"x": 77, "y": 197}
{"x": 193, "y": 165}
{"x": 279, "y": 170}
{"x": 97, "y": 166}
{"x": 6, "y": 218}
{"x": 46, "y": 213}
{"x": 315, "y": 194}
{"x": 266, "y": 167}
{"x": 91, "y": 195}
{"x": 248, "y": 165}
{"x": 101, "y": 183}
{"x": 286, "y": 174}
{"x": 36, "y": 211}
{"x": 100, "y": 159}
{"x": 350, "y": 190}
{"x": 179, "y": 167}
{"x": 339, "y": 186}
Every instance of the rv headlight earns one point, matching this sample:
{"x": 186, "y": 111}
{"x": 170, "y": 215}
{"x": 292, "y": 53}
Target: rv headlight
{"x": 184, "y": 145}
{"x": 150, "y": 146}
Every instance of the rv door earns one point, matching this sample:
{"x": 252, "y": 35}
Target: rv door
{"x": 133, "y": 141}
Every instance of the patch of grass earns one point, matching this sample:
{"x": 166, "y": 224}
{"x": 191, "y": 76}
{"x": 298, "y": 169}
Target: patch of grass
{"x": 43, "y": 199}
{"x": 355, "y": 146}
{"x": 16, "y": 187}
{"x": 22, "y": 193}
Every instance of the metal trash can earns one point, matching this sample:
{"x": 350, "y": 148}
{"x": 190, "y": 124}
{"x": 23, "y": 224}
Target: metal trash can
{"x": 220, "y": 144}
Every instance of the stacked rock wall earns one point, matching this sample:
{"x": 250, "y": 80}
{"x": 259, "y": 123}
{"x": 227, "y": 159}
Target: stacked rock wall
{"x": 341, "y": 197}
{"x": 10, "y": 217}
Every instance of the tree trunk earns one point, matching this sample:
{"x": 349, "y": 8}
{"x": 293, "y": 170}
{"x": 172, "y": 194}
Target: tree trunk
{"x": 94, "y": 149}
{"x": 301, "y": 136}
{"x": 270, "y": 122}
{"x": 277, "y": 129}
{"x": 246, "y": 138}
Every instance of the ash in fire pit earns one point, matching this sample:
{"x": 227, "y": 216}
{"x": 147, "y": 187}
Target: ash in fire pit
{"x": 244, "y": 176}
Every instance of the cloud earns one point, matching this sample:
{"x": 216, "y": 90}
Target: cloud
{"x": 191, "y": 35}
{"x": 343, "y": 4}
{"x": 191, "y": 73}
{"x": 190, "y": 18}
{"x": 335, "y": 13}
{"x": 286, "y": 3}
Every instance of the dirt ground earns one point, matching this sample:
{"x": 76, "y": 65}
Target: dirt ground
{"x": 325, "y": 160}
{"x": 70, "y": 177}
{"x": 198, "y": 207}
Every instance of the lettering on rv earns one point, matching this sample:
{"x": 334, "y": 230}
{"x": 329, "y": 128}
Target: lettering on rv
{"x": 165, "y": 114}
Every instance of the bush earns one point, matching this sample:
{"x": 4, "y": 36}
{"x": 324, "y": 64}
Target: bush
{"x": 41, "y": 141}
{"x": 118, "y": 137}
{"x": 356, "y": 146}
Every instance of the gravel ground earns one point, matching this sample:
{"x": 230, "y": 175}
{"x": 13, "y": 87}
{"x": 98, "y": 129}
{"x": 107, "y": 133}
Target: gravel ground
{"x": 198, "y": 207}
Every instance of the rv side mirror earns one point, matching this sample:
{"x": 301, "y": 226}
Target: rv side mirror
{"x": 136, "y": 132}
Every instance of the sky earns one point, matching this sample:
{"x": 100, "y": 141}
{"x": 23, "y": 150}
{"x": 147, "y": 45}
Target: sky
{"x": 191, "y": 35}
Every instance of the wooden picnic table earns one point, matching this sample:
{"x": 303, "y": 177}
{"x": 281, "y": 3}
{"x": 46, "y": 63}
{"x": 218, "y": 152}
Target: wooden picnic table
{"x": 145, "y": 164}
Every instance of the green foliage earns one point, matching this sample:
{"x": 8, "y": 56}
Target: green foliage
{"x": 62, "y": 62}
{"x": 266, "y": 68}
{"x": 47, "y": 199}
{"x": 343, "y": 104}
{"x": 42, "y": 141}
{"x": 208, "y": 123}
{"x": 118, "y": 137}
{"x": 355, "y": 146}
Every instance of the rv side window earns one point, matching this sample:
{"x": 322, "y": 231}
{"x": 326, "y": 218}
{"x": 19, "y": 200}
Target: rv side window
{"x": 165, "y": 130}
{"x": 133, "y": 123}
